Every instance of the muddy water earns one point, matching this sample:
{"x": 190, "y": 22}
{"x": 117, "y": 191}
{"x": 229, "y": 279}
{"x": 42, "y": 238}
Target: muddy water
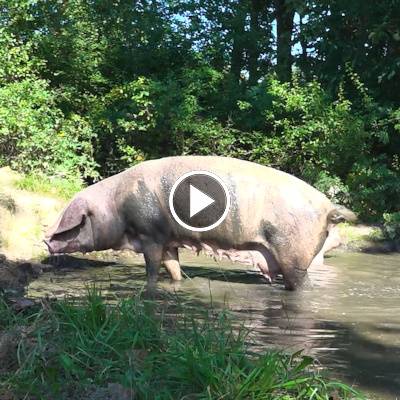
{"x": 348, "y": 316}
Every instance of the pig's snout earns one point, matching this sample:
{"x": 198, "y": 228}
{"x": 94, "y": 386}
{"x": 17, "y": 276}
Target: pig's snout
{"x": 47, "y": 243}
{"x": 295, "y": 278}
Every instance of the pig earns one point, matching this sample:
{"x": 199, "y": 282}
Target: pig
{"x": 277, "y": 221}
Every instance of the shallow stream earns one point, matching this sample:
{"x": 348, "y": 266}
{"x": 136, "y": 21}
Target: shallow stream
{"x": 348, "y": 316}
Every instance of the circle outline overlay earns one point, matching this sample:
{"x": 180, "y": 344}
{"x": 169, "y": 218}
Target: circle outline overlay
{"x": 194, "y": 228}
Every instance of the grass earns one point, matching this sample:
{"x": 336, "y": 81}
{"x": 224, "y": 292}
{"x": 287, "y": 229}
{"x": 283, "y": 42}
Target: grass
{"x": 354, "y": 233}
{"x": 73, "y": 348}
{"x": 58, "y": 187}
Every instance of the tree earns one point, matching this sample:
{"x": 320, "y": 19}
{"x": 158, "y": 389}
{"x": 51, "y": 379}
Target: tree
{"x": 284, "y": 12}
{"x": 362, "y": 34}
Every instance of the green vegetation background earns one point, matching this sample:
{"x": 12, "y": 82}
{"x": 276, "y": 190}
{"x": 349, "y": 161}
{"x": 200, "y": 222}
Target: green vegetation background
{"x": 89, "y": 88}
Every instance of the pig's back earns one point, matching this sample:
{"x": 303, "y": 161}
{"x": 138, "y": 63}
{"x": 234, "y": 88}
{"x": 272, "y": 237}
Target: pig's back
{"x": 244, "y": 178}
{"x": 258, "y": 194}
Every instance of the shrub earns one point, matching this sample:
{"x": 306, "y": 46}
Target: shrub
{"x": 333, "y": 144}
{"x": 17, "y": 61}
{"x": 375, "y": 188}
{"x": 35, "y": 135}
{"x": 123, "y": 119}
{"x": 333, "y": 187}
{"x": 391, "y": 226}
{"x": 317, "y": 131}
{"x": 207, "y": 137}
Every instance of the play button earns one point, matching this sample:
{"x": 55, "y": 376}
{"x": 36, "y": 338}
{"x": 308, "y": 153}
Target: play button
{"x": 199, "y": 200}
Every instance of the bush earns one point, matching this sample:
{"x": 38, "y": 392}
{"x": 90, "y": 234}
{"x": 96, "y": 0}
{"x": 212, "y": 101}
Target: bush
{"x": 331, "y": 143}
{"x": 305, "y": 129}
{"x": 35, "y": 135}
{"x": 17, "y": 60}
{"x": 375, "y": 188}
{"x": 391, "y": 226}
{"x": 333, "y": 187}
{"x": 207, "y": 137}
{"x": 123, "y": 119}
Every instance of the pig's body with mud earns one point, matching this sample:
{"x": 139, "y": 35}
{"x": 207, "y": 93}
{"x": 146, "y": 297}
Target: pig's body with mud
{"x": 275, "y": 219}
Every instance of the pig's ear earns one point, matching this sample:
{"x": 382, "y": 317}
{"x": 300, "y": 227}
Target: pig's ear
{"x": 72, "y": 216}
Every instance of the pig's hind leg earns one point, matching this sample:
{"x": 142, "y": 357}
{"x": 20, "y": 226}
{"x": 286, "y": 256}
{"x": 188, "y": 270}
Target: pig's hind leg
{"x": 171, "y": 263}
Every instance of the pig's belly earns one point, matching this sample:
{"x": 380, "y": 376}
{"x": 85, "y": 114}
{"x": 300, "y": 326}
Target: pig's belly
{"x": 248, "y": 257}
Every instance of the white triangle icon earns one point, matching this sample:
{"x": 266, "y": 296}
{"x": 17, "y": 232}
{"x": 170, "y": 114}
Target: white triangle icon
{"x": 198, "y": 201}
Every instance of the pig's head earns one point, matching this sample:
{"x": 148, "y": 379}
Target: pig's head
{"x": 86, "y": 225}
{"x": 73, "y": 231}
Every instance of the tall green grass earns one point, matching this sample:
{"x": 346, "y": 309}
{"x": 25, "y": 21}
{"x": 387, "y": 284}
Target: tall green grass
{"x": 156, "y": 351}
{"x": 59, "y": 187}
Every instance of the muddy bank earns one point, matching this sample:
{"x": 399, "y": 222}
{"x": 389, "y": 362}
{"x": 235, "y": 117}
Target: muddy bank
{"x": 15, "y": 276}
{"x": 366, "y": 239}
{"x": 24, "y": 217}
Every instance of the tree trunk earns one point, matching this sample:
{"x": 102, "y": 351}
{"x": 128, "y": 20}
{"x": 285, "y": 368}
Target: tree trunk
{"x": 303, "y": 43}
{"x": 284, "y": 27}
{"x": 238, "y": 33}
{"x": 253, "y": 45}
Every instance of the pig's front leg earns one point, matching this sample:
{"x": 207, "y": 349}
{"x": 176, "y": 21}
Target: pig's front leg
{"x": 171, "y": 263}
{"x": 153, "y": 253}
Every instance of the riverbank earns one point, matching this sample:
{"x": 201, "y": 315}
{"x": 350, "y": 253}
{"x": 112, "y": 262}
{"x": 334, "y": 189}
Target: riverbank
{"x": 365, "y": 238}
{"x": 140, "y": 349}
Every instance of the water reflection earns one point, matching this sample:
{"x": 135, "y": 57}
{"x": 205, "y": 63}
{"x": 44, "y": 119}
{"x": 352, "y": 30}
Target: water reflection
{"x": 348, "y": 315}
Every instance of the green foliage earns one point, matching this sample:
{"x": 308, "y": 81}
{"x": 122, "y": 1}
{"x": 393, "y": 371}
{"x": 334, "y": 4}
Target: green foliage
{"x": 325, "y": 142}
{"x": 123, "y": 119}
{"x": 34, "y": 135}
{"x": 64, "y": 188}
{"x": 362, "y": 33}
{"x": 16, "y": 59}
{"x": 88, "y": 89}
{"x": 157, "y": 352}
{"x": 8, "y": 319}
{"x": 310, "y": 130}
{"x": 333, "y": 187}
{"x": 212, "y": 138}
{"x": 391, "y": 226}
{"x": 375, "y": 188}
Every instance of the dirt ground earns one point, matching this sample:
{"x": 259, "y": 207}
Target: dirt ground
{"x": 24, "y": 218}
